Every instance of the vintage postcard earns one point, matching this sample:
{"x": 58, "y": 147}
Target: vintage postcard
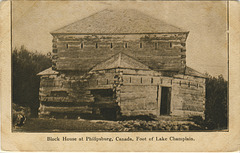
{"x": 120, "y": 76}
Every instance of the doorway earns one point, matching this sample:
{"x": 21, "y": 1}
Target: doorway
{"x": 165, "y": 101}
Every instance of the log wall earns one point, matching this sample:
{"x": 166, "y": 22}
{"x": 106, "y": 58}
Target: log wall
{"x": 136, "y": 92}
{"x": 71, "y": 93}
{"x": 139, "y": 95}
{"x": 188, "y": 96}
{"x": 82, "y": 52}
{"x": 60, "y": 93}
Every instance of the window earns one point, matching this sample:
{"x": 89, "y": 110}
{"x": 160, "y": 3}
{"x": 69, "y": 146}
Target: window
{"x": 126, "y": 45}
{"x": 54, "y": 50}
{"x": 183, "y": 50}
{"x": 96, "y": 45}
{"x": 183, "y": 56}
{"x": 141, "y": 80}
{"x": 81, "y": 45}
{"x": 140, "y": 45}
{"x": 156, "y": 45}
{"x": 151, "y": 80}
{"x": 59, "y": 93}
{"x": 111, "y": 45}
{"x": 170, "y": 45}
{"x": 130, "y": 80}
{"x": 67, "y": 46}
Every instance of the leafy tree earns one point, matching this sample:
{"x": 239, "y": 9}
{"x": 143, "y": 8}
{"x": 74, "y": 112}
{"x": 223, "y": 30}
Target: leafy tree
{"x": 216, "y": 103}
{"x": 25, "y": 81}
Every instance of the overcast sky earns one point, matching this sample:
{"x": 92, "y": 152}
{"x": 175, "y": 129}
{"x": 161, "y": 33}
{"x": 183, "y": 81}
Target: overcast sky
{"x": 206, "y": 21}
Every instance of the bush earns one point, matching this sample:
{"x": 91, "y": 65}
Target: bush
{"x": 216, "y": 103}
{"x": 26, "y": 65}
{"x": 20, "y": 114}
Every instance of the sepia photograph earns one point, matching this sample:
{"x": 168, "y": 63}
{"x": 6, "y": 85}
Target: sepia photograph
{"x": 120, "y": 76}
{"x": 119, "y": 67}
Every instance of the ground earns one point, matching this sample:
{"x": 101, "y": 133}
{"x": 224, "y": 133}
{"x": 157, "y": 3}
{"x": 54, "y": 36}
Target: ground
{"x": 87, "y": 125}
{"x": 65, "y": 125}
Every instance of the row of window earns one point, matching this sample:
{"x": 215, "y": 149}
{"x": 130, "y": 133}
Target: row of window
{"x": 111, "y": 45}
{"x": 156, "y": 45}
{"x": 182, "y": 50}
{"x": 141, "y": 80}
{"x": 161, "y": 81}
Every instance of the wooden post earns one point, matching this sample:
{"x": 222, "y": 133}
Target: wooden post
{"x": 159, "y": 91}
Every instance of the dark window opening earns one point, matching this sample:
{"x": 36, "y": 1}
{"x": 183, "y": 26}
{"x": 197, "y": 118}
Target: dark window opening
{"x": 66, "y": 45}
{"x": 96, "y": 45}
{"x": 104, "y": 100}
{"x": 107, "y": 81}
{"x": 141, "y": 80}
{"x": 59, "y": 93}
{"x": 170, "y": 45}
{"x": 183, "y": 50}
{"x": 102, "y": 95}
{"x": 183, "y": 56}
{"x": 97, "y": 82}
{"x": 180, "y": 83}
{"x": 140, "y": 45}
{"x": 111, "y": 45}
{"x": 189, "y": 84}
{"x": 54, "y": 50}
{"x": 103, "y": 92}
{"x": 126, "y": 45}
{"x": 81, "y": 45}
{"x": 156, "y": 45}
{"x": 130, "y": 80}
{"x": 151, "y": 80}
{"x": 171, "y": 81}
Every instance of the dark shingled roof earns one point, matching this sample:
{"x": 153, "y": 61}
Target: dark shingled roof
{"x": 118, "y": 21}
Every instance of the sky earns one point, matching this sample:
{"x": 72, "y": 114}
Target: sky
{"x": 206, "y": 44}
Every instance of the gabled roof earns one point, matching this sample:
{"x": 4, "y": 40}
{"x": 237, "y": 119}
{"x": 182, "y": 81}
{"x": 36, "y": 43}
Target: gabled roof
{"x": 48, "y": 71}
{"x": 192, "y": 72}
{"x": 118, "y": 21}
{"x": 120, "y": 60}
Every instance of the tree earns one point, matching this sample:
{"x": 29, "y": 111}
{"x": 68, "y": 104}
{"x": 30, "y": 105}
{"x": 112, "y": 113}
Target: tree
{"x": 25, "y": 81}
{"x": 216, "y": 103}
